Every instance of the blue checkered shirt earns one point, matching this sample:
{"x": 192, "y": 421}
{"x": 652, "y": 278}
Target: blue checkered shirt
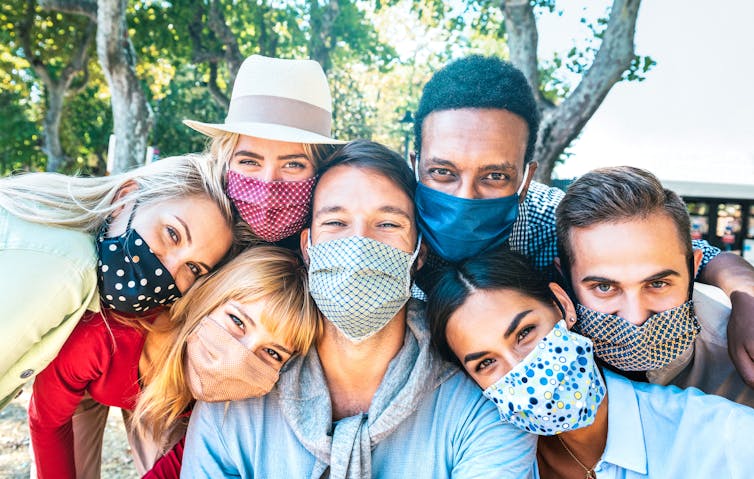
{"x": 534, "y": 234}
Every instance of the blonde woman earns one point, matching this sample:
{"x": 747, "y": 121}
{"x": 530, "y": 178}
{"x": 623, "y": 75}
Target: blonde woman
{"x": 226, "y": 339}
{"x": 273, "y": 141}
{"x": 134, "y": 241}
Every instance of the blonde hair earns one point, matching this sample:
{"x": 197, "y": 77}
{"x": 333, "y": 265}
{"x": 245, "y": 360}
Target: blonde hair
{"x": 271, "y": 274}
{"x": 221, "y": 146}
{"x": 83, "y": 203}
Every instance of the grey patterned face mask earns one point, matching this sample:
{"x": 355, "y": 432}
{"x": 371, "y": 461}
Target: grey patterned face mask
{"x": 359, "y": 284}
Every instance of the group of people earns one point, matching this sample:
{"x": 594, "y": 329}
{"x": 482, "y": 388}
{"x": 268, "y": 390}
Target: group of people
{"x": 290, "y": 305}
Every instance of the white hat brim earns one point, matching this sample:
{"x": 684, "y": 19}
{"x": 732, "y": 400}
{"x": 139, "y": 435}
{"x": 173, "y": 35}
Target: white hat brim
{"x": 268, "y": 131}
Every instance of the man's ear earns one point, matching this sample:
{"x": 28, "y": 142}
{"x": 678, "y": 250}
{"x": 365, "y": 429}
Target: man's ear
{"x": 565, "y": 301}
{"x": 125, "y": 189}
{"x": 527, "y": 181}
{"x": 304, "y": 244}
{"x": 698, "y": 256}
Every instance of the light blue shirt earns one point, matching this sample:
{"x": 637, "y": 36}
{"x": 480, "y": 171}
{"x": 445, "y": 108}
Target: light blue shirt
{"x": 455, "y": 432}
{"x": 667, "y": 432}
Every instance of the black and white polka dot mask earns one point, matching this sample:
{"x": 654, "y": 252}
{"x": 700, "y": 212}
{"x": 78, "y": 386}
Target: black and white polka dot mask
{"x": 131, "y": 277}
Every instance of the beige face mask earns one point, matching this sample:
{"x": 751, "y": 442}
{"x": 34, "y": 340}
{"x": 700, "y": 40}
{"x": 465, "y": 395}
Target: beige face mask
{"x": 219, "y": 368}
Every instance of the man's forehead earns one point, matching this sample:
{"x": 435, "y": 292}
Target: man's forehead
{"x": 612, "y": 248}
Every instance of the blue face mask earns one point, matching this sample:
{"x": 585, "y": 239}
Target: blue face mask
{"x": 459, "y": 228}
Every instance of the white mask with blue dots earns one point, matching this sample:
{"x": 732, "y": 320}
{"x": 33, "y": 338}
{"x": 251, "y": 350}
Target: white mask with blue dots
{"x": 555, "y": 389}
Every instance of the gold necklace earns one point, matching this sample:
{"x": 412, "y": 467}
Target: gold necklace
{"x": 590, "y": 474}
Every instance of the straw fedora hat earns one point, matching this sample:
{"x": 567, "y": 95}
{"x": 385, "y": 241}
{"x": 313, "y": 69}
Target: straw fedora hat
{"x": 277, "y": 99}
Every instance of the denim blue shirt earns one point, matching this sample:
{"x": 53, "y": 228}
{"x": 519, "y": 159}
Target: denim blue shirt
{"x": 656, "y": 431}
{"x": 426, "y": 420}
{"x": 456, "y": 433}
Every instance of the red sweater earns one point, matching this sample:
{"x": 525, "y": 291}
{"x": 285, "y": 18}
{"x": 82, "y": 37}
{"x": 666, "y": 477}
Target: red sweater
{"x": 101, "y": 358}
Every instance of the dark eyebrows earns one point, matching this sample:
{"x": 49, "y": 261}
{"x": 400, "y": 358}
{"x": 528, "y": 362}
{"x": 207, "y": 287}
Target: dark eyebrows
{"x": 293, "y": 156}
{"x": 498, "y": 167}
{"x": 248, "y": 153}
{"x": 473, "y": 356}
{"x": 597, "y": 279}
{"x": 511, "y": 328}
{"x": 514, "y": 324}
{"x": 662, "y": 274}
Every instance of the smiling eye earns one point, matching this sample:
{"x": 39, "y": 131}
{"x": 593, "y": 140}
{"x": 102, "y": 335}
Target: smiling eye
{"x": 484, "y": 364}
{"x": 195, "y": 270}
{"x": 248, "y": 162}
{"x": 440, "y": 171}
{"x": 333, "y": 223}
{"x": 274, "y": 354}
{"x": 296, "y": 165}
{"x": 524, "y": 333}
{"x": 173, "y": 234}
{"x": 237, "y": 321}
{"x": 497, "y": 176}
{"x": 604, "y": 287}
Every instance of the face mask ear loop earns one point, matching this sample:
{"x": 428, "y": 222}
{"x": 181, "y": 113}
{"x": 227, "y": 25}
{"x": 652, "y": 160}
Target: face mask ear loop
{"x": 129, "y": 229}
{"x": 526, "y": 174}
{"x": 416, "y": 167}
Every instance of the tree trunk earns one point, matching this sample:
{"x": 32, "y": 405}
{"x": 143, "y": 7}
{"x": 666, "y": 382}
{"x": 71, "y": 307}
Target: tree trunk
{"x": 52, "y": 147}
{"x": 561, "y": 124}
{"x": 132, "y": 115}
{"x": 320, "y": 38}
{"x": 55, "y": 85}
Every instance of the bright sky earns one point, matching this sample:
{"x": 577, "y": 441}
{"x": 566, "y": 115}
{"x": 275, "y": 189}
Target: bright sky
{"x": 693, "y": 117}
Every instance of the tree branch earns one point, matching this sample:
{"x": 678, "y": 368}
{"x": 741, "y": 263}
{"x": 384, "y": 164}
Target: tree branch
{"x": 79, "y": 57}
{"x": 562, "y": 125}
{"x": 214, "y": 89}
{"x": 219, "y": 26}
{"x": 24, "y": 35}
{"x": 78, "y": 7}
{"x": 521, "y": 28}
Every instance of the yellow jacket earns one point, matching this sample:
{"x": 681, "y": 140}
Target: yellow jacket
{"x": 48, "y": 280}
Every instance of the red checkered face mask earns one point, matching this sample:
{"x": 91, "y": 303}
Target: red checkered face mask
{"x": 273, "y": 209}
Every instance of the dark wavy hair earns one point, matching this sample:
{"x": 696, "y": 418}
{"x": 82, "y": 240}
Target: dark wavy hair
{"x": 477, "y": 81}
{"x": 503, "y": 269}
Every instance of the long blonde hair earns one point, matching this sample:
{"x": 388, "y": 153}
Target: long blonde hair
{"x": 222, "y": 146}
{"x": 272, "y": 274}
{"x": 83, "y": 203}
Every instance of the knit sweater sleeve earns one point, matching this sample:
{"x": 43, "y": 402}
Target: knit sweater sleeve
{"x": 59, "y": 388}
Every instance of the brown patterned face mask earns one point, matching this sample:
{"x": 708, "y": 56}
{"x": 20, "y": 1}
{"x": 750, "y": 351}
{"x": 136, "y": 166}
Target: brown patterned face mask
{"x": 219, "y": 368}
{"x": 658, "y": 341}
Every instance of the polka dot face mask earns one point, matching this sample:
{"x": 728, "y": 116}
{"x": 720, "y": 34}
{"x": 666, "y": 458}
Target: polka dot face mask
{"x": 273, "y": 209}
{"x": 555, "y": 389}
{"x": 131, "y": 277}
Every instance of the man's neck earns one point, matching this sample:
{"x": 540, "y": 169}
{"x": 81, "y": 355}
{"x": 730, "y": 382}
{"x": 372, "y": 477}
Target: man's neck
{"x": 354, "y": 371}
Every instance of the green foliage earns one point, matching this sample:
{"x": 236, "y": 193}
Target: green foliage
{"x": 186, "y": 98}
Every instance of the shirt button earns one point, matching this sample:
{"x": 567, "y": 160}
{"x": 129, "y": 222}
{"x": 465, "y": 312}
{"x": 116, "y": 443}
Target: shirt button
{"x": 20, "y": 392}
{"x": 27, "y": 374}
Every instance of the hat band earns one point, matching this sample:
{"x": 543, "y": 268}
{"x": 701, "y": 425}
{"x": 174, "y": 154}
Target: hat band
{"x": 281, "y": 111}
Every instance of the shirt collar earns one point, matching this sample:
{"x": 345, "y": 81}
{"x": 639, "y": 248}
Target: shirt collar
{"x": 625, "y": 438}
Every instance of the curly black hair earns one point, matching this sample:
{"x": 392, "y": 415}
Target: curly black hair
{"x": 477, "y": 81}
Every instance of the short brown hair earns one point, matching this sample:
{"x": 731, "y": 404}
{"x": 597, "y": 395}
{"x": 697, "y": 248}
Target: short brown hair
{"x": 614, "y": 194}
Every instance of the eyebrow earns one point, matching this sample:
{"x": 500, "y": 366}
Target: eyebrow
{"x": 248, "y": 153}
{"x": 188, "y": 239}
{"x": 248, "y": 318}
{"x": 662, "y": 274}
{"x": 384, "y": 209}
{"x": 490, "y": 167}
{"x": 257, "y": 156}
{"x": 514, "y": 324}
